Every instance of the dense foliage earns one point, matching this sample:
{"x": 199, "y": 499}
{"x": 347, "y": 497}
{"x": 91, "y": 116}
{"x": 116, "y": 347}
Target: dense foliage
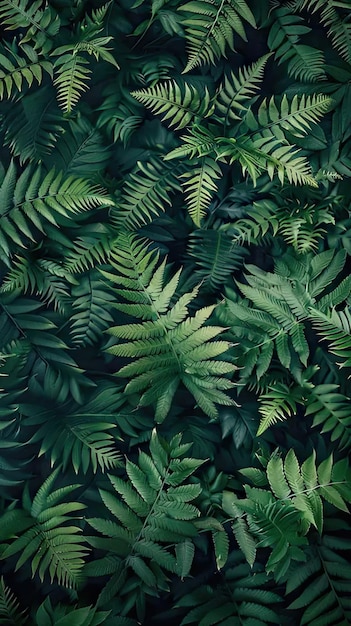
{"x": 175, "y": 312}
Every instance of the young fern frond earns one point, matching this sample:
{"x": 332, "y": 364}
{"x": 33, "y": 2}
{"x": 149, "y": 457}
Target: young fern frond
{"x": 178, "y": 104}
{"x": 72, "y": 75}
{"x": 71, "y": 80}
{"x": 176, "y": 348}
{"x": 210, "y": 28}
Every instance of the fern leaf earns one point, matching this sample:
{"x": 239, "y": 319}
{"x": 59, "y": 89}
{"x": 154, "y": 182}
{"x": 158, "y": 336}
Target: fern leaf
{"x": 236, "y": 93}
{"x": 336, "y": 329}
{"x": 322, "y": 584}
{"x": 91, "y": 316}
{"x": 71, "y": 80}
{"x": 80, "y": 439}
{"x": 33, "y": 125}
{"x": 169, "y": 347}
{"x": 146, "y": 193}
{"x": 15, "y": 70}
{"x": 32, "y": 200}
{"x": 331, "y": 412}
{"x": 295, "y": 116}
{"x": 51, "y": 546}
{"x": 275, "y": 405}
{"x": 184, "y": 554}
{"x": 200, "y": 187}
{"x": 10, "y": 612}
{"x": 39, "y": 24}
{"x": 178, "y": 104}
{"x": 211, "y": 26}
{"x": 303, "y": 61}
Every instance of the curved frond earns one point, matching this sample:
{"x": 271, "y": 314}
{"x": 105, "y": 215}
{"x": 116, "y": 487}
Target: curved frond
{"x": 303, "y": 61}
{"x": 17, "y": 70}
{"x": 32, "y": 199}
{"x": 145, "y": 193}
{"x": 178, "y": 104}
{"x": 237, "y": 92}
{"x": 211, "y": 26}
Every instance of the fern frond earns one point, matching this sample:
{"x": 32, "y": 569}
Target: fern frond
{"x": 200, "y": 187}
{"x": 145, "y": 193}
{"x": 32, "y": 199}
{"x": 93, "y": 245}
{"x": 277, "y": 404}
{"x": 337, "y": 28}
{"x": 79, "y": 151}
{"x": 178, "y": 104}
{"x": 40, "y": 24}
{"x": 319, "y": 586}
{"x": 215, "y": 256}
{"x": 330, "y": 410}
{"x": 211, "y": 26}
{"x": 295, "y": 116}
{"x": 33, "y": 125}
{"x": 71, "y": 79}
{"x": 303, "y": 61}
{"x": 91, "y": 316}
{"x": 155, "y": 501}
{"x": 77, "y": 437}
{"x": 49, "y": 544}
{"x": 42, "y": 277}
{"x": 241, "y": 595}
{"x": 237, "y": 92}
{"x": 336, "y": 329}
{"x": 10, "y": 613}
{"x": 71, "y": 72}
{"x": 16, "y": 70}
{"x": 172, "y": 348}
